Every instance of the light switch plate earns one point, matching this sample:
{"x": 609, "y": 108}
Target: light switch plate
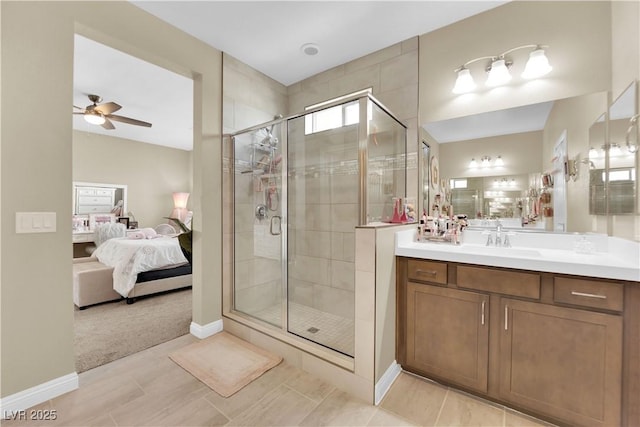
{"x": 35, "y": 222}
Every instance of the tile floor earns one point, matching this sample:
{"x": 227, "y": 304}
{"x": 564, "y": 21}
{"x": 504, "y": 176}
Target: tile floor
{"x": 147, "y": 388}
{"x": 333, "y": 331}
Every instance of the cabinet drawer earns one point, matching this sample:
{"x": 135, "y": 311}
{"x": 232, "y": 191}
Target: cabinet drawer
{"x": 500, "y": 281}
{"x": 588, "y": 293}
{"x": 86, "y": 192}
{"x": 104, "y": 192}
{"x": 429, "y": 271}
{"x": 86, "y": 209}
{"x": 94, "y": 200}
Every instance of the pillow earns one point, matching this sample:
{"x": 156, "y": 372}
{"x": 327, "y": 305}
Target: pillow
{"x": 149, "y": 233}
{"x": 137, "y": 235}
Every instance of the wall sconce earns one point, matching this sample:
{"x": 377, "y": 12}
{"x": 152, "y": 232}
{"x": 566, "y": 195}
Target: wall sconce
{"x": 485, "y": 161}
{"x": 498, "y": 162}
{"x": 498, "y": 69}
{"x": 572, "y": 169}
{"x": 473, "y": 164}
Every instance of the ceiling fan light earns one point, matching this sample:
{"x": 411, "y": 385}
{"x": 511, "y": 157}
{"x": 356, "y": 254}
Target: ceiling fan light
{"x": 537, "y": 65}
{"x": 464, "y": 82}
{"x": 94, "y": 117}
{"x": 498, "y": 73}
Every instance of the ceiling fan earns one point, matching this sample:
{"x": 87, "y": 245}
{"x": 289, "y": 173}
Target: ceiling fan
{"x": 102, "y": 114}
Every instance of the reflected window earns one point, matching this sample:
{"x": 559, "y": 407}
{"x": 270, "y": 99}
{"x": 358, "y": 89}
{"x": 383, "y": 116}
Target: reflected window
{"x": 458, "y": 183}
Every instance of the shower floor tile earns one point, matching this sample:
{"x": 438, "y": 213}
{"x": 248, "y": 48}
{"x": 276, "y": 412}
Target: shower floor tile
{"x": 327, "y": 329}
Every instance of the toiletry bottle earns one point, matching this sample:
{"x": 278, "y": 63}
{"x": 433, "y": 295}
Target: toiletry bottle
{"x": 419, "y": 235}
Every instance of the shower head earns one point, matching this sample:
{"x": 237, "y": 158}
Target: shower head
{"x": 276, "y": 117}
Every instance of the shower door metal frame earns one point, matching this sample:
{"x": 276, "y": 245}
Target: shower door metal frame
{"x": 290, "y": 338}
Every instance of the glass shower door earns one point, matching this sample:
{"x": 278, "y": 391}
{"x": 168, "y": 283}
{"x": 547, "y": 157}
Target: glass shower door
{"x": 257, "y": 220}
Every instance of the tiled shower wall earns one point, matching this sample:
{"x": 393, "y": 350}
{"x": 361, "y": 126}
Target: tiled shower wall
{"x": 323, "y": 219}
{"x": 321, "y": 264}
{"x": 249, "y": 98}
{"x": 323, "y": 214}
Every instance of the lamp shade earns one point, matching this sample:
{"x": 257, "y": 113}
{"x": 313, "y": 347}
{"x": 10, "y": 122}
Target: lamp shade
{"x": 464, "y": 82}
{"x": 537, "y": 65}
{"x": 94, "y": 117}
{"x": 180, "y": 200}
{"x": 498, "y": 73}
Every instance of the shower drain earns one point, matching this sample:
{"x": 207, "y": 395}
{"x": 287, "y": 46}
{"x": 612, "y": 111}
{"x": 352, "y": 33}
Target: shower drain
{"x": 313, "y": 330}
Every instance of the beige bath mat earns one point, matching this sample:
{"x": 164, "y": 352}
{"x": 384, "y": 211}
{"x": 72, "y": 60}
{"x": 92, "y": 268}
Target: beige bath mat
{"x": 225, "y": 363}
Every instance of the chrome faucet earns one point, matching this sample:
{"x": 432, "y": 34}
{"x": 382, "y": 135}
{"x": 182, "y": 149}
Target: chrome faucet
{"x": 498, "y": 233}
{"x": 502, "y": 239}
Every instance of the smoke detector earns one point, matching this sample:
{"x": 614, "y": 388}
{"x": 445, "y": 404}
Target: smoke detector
{"x": 310, "y": 49}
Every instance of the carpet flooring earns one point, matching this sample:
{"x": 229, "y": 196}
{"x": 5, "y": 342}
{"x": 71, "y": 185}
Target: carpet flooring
{"x": 106, "y": 332}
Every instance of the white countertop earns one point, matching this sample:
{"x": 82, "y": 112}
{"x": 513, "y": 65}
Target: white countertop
{"x": 613, "y": 258}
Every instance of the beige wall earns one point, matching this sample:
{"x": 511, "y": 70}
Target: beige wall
{"x": 36, "y": 170}
{"x": 150, "y": 172}
{"x": 625, "y": 45}
{"x": 579, "y": 36}
{"x": 520, "y": 153}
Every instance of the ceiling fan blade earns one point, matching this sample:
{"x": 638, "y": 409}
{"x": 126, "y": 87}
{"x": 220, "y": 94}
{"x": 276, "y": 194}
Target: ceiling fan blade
{"x": 79, "y": 108}
{"x": 129, "y": 121}
{"x": 78, "y": 112}
{"x": 107, "y": 108}
{"x": 107, "y": 124}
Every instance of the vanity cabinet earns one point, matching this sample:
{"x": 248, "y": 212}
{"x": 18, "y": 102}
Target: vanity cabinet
{"x": 561, "y": 362}
{"x": 448, "y": 335}
{"x": 549, "y": 344}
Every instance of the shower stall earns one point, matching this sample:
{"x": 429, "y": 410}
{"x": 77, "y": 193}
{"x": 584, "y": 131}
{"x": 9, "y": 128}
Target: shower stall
{"x": 300, "y": 186}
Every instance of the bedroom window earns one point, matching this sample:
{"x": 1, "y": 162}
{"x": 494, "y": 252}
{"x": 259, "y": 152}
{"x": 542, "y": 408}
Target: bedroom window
{"x": 334, "y": 117}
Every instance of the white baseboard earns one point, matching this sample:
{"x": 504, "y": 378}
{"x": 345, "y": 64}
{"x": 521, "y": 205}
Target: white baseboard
{"x": 383, "y": 386}
{"x": 207, "y": 330}
{"x": 38, "y": 394}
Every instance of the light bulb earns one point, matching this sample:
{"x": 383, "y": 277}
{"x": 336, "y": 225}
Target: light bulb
{"x": 537, "y": 65}
{"x": 499, "y": 161}
{"x": 94, "y": 117}
{"x": 473, "y": 163}
{"x": 498, "y": 73}
{"x": 464, "y": 82}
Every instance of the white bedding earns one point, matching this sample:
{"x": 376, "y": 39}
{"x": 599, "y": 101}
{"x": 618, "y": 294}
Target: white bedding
{"x": 128, "y": 257}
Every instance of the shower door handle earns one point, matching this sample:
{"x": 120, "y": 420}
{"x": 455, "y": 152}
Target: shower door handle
{"x": 275, "y": 220}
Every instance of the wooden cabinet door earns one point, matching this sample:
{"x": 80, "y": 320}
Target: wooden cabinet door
{"x": 447, "y": 334}
{"x": 562, "y": 362}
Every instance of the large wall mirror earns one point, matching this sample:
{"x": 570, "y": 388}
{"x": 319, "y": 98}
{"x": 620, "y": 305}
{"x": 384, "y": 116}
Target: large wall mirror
{"x": 501, "y": 164}
{"x": 613, "y": 160}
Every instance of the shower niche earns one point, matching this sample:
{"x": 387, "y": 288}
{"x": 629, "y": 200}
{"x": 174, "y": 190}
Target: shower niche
{"x": 300, "y": 186}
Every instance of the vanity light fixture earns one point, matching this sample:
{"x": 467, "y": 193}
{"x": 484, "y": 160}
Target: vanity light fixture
{"x": 464, "y": 82}
{"x": 498, "y": 73}
{"x": 498, "y": 161}
{"x": 485, "y": 161}
{"x": 498, "y": 69}
{"x": 593, "y": 153}
{"x": 537, "y": 65}
{"x": 473, "y": 164}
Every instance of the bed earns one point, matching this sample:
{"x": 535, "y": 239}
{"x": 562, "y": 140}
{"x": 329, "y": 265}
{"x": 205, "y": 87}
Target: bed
{"x": 129, "y": 268}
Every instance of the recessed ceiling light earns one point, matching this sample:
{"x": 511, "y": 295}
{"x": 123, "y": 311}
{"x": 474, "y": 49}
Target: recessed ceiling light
{"x": 310, "y": 49}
